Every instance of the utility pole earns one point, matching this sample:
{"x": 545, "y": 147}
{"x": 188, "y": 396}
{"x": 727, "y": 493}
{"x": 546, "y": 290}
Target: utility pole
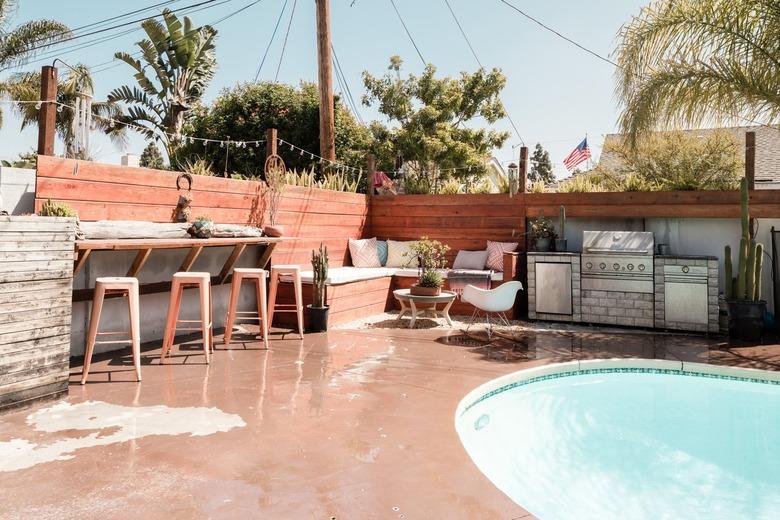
{"x": 327, "y": 130}
{"x": 47, "y": 115}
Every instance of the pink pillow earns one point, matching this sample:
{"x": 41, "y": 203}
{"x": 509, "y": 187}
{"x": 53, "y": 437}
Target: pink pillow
{"x": 495, "y": 251}
{"x": 364, "y": 253}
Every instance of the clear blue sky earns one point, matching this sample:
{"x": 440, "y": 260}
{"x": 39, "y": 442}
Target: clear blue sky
{"x": 555, "y": 92}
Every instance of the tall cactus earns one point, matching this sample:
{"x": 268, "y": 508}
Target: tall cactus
{"x": 319, "y": 264}
{"x": 748, "y": 280}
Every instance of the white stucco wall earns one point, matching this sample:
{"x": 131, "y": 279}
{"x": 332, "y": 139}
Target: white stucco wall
{"x": 17, "y": 190}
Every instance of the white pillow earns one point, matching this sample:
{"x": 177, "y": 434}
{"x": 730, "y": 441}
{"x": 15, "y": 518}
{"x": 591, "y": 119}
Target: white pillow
{"x": 364, "y": 253}
{"x": 470, "y": 260}
{"x": 400, "y": 254}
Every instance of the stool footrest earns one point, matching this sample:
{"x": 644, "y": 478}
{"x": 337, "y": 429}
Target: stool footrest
{"x": 113, "y": 333}
{"x": 192, "y": 328}
{"x": 115, "y": 342}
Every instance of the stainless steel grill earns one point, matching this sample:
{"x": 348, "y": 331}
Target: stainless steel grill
{"x": 618, "y": 261}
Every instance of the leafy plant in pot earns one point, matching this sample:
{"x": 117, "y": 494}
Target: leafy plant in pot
{"x": 743, "y": 292}
{"x": 318, "y": 311}
{"x": 431, "y": 256}
{"x": 541, "y": 233}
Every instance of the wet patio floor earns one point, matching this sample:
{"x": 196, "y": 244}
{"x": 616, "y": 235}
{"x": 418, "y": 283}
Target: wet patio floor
{"x": 345, "y": 425}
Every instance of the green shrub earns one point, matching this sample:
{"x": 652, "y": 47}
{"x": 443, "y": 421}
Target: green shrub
{"x": 56, "y": 209}
{"x": 580, "y": 183}
{"x": 450, "y": 187}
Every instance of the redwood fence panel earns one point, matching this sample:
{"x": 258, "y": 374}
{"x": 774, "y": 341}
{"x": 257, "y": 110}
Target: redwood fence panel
{"x": 112, "y": 192}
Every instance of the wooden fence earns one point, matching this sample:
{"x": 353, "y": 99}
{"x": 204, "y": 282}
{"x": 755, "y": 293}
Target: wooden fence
{"x": 112, "y": 192}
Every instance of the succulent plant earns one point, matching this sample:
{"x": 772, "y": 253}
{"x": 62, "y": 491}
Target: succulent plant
{"x": 430, "y": 278}
{"x": 319, "y": 264}
{"x": 747, "y": 284}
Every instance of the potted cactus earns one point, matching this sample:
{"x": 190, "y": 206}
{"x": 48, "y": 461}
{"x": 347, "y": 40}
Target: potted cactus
{"x": 743, "y": 292}
{"x": 318, "y": 311}
{"x": 560, "y": 243}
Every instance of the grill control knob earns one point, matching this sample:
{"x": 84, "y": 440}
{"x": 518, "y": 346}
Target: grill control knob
{"x": 616, "y": 266}
{"x": 602, "y": 265}
{"x": 641, "y": 267}
{"x": 589, "y": 265}
{"x": 685, "y": 269}
{"x": 630, "y": 267}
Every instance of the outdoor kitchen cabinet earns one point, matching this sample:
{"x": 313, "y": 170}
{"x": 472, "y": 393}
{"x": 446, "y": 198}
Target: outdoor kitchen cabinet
{"x": 686, "y": 293}
{"x": 554, "y": 286}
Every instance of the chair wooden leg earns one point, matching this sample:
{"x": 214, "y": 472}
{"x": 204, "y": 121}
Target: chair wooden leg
{"x": 299, "y": 302}
{"x": 94, "y": 321}
{"x": 272, "y": 299}
{"x": 173, "y": 315}
{"x": 204, "y": 317}
{"x": 135, "y": 329}
{"x": 235, "y": 288}
{"x": 262, "y": 310}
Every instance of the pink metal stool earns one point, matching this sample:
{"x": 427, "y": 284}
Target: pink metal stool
{"x": 293, "y": 272}
{"x": 180, "y": 282}
{"x": 105, "y": 286}
{"x": 254, "y": 275}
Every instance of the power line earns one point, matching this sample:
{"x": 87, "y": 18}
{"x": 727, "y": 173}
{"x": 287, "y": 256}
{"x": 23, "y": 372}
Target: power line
{"x": 345, "y": 84}
{"x": 271, "y": 41}
{"x": 474, "y": 53}
{"x": 408, "y": 33}
{"x": 286, "y": 35}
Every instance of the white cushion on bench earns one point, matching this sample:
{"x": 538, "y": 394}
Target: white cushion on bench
{"x": 348, "y": 274}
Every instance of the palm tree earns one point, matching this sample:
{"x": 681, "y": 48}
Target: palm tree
{"x": 685, "y": 63}
{"x": 19, "y": 43}
{"x": 78, "y": 82}
{"x": 181, "y": 62}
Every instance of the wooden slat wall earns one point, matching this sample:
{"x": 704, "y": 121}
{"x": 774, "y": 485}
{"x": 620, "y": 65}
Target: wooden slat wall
{"x": 112, "y": 192}
{"x": 460, "y": 221}
{"x": 36, "y": 280}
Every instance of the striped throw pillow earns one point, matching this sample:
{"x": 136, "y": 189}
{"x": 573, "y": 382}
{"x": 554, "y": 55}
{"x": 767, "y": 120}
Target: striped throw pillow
{"x": 495, "y": 251}
{"x": 364, "y": 253}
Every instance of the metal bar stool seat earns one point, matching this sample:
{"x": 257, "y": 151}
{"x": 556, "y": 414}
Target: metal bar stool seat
{"x": 181, "y": 281}
{"x": 292, "y": 273}
{"x": 258, "y": 276}
{"x": 112, "y": 285}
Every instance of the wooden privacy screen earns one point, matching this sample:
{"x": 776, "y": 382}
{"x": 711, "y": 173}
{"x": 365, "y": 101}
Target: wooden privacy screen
{"x": 113, "y": 192}
{"x": 460, "y": 221}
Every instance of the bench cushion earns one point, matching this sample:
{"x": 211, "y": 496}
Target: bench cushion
{"x": 348, "y": 274}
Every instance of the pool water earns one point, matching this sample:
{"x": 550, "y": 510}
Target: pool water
{"x": 631, "y": 446}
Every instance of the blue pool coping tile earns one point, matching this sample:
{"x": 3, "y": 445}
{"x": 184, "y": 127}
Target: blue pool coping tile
{"x": 616, "y": 370}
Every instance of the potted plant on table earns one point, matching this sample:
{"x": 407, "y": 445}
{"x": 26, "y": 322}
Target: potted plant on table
{"x": 541, "y": 233}
{"x": 318, "y": 311}
{"x": 431, "y": 256}
{"x": 743, "y": 293}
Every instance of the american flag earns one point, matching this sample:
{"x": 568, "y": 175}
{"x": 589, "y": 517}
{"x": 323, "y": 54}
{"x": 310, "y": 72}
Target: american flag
{"x": 578, "y": 155}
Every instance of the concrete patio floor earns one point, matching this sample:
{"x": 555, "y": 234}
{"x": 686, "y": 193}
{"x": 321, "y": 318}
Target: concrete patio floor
{"x": 345, "y": 425}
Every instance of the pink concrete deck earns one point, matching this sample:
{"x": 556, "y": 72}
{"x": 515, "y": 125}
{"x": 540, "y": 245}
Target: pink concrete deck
{"x": 353, "y": 424}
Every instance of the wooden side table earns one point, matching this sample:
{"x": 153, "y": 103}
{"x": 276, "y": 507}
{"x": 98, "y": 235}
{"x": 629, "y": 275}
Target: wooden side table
{"x": 409, "y": 303}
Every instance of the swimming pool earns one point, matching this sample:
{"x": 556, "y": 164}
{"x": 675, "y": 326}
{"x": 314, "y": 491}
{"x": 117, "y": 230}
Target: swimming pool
{"x": 629, "y": 439}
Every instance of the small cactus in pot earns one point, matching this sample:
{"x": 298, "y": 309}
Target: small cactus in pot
{"x": 318, "y": 310}
{"x": 743, "y": 291}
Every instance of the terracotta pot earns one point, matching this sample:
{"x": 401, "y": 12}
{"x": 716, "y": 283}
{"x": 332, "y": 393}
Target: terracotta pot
{"x": 416, "y": 290}
{"x": 274, "y": 231}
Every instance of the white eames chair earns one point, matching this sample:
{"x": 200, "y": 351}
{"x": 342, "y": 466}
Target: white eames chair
{"x": 491, "y": 301}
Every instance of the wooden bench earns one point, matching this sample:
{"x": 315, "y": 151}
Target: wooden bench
{"x": 353, "y": 300}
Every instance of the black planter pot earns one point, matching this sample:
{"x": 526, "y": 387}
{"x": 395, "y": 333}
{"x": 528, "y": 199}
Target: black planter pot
{"x": 542, "y": 244}
{"x": 318, "y": 318}
{"x": 746, "y": 319}
{"x": 560, "y": 245}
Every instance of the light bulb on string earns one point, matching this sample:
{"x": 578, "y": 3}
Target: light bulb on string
{"x": 291, "y": 147}
{"x": 301, "y": 154}
{"x": 59, "y": 108}
{"x": 257, "y": 144}
{"x": 222, "y": 144}
{"x": 38, "y": 105}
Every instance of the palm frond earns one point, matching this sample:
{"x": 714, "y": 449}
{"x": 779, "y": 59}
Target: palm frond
{"x": 17, "y": 44}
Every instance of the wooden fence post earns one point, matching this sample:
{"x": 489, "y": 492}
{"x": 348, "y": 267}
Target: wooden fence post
{"x": 371, "y": 167}
{"x": 750, "y": 159}
{"x": 522, "y": 175}
{"x": 270, "y": 142}
{"x": 47, "y": 115}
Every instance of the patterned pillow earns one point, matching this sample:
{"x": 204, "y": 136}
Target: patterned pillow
{"x": 400, "y": 254}
{"x": 364, "y": 253}
{"x": 496, "y": 250}
{"x": 381, "y": 250}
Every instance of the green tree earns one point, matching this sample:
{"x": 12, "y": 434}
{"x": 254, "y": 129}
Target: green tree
{"x": 431, "y": 115}
{"x": 27, "y": 87}
{"x": 688, "y": 63}
{"x": 246, "y": 111}
{"x": 541, "y": 166}
{"x": 178, "y": 64}
{"x": 19, "y": 43}
{"x": 666, "y": 161}
{"x": 152, "y": 158}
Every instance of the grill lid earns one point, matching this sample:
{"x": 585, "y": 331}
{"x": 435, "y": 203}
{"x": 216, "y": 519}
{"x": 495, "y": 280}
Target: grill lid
{"x": 634, "y": 242}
